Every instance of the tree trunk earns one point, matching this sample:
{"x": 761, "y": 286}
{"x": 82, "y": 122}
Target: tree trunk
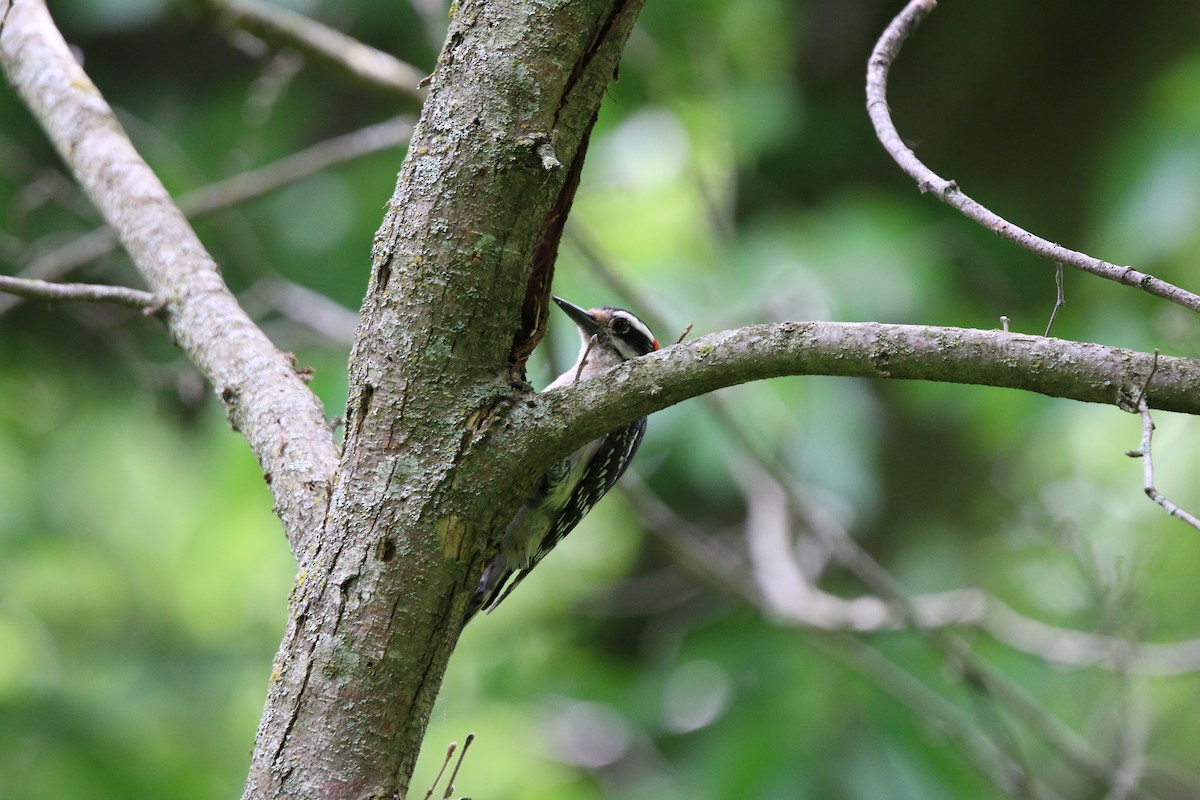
{"x": 457, "y": 300}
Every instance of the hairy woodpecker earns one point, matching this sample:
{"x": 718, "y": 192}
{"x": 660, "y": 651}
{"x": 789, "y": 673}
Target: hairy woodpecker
{"x": 569, "y": 489}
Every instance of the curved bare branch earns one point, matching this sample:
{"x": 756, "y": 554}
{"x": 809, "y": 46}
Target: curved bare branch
{"x": 885, "y": 52}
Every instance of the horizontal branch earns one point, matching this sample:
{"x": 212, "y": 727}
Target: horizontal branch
{"x": 32, "y": 289}
{"x": 1084, "y": 649}
{"x": 885, "y": 52}
{"x": 1081, "y": 371}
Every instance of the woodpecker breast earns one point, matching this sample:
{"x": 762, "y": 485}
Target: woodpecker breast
{"x": 569, "y": 489}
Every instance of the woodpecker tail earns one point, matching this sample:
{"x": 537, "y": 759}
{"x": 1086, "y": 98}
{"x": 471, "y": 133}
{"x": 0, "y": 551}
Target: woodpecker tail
{"x": 490, "y": 587}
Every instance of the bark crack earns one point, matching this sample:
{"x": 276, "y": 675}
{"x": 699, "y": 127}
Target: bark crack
{"x": 592, "y": 51}
{"x": 294, "y": 715}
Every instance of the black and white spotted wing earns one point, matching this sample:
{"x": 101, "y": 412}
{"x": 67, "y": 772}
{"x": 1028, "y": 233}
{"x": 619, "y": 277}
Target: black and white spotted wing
{"x": 610, "y": 462}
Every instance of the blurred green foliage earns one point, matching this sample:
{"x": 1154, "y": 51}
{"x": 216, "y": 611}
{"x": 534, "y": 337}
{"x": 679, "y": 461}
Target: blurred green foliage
{"x": 733, "y": 178}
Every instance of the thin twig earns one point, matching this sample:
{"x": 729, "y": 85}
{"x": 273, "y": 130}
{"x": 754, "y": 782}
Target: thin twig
{"x": 583, "y": 359}
{"x": 1021, "y": 777}
{"x": 690, "y": 545}
{"x": 589, "y": 247}
{"x": 1059, "y": 298}
{"x": 289, "y": 169}
{"x": 445, "y": 763}
{"x": 303, "y": 306}
{"x": 940, "y": 714}
{"x": 885, "y": 52}
{"x": 1148, "y": 486}
{"x": 1141, "y": 395}
{"x": 454, "y": 775}
{"x": 279, "y": 71}
{"x": 56, "y": 263}
{"x": 32, "y": 289}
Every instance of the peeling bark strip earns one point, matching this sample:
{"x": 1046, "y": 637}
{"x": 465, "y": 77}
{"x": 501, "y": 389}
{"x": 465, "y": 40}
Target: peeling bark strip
{"x": 535, "y": 307}
{"x": 461, "y": 274}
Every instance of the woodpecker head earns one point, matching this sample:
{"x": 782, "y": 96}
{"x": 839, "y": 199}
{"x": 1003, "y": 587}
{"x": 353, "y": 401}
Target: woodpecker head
{"x": 619, "y": 334}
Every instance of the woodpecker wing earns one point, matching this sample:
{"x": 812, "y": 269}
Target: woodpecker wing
{"x": 609, "y": 463}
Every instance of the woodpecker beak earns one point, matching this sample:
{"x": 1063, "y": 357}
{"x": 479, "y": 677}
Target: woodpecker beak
{"x": 579, "y": 316}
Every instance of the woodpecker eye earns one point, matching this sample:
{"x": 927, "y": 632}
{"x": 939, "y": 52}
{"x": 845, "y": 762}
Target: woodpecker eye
{"x": 620, "y": 326}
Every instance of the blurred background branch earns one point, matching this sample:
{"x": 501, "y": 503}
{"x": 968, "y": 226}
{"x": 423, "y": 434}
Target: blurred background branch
{"x": 240, "y": 188}
{"x": 331, "y": 48}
